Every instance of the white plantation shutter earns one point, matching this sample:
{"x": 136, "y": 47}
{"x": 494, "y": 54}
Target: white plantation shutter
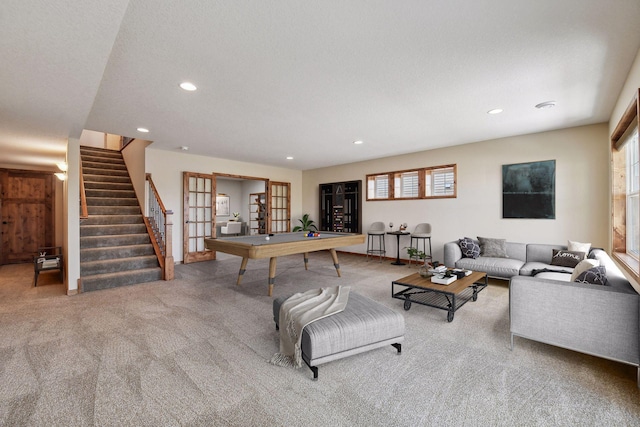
{"x": 440, "y": 182}
{"x": 378, "y": 187}
{"x": 633, "y": 193}
{"x": 406, "y": 184}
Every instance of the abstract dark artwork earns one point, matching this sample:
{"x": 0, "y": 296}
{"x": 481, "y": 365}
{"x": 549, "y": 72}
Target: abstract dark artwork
{"x": 529, "y": 190}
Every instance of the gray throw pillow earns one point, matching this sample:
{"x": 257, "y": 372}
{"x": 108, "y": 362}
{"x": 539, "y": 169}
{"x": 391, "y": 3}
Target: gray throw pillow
{"x": 566, "y": 258}
{"x": 496, "y": 248}
{"x": 469, "y": 248}
{"x": 595, "y": 276}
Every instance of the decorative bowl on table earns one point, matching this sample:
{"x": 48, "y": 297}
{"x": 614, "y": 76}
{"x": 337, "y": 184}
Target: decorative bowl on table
{"x": 424, "y": 272}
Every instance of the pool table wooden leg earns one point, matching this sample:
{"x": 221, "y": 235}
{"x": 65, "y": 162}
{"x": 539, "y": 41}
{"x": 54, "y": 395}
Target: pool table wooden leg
{"x": 306, "y": 260}
{"x": 272, "y": 273}
{"x": 243, "y": 267}
{"x": 336, "y": 264}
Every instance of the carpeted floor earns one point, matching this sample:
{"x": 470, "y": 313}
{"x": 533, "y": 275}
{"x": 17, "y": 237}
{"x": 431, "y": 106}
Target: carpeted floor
{"x": 194, "y": 352}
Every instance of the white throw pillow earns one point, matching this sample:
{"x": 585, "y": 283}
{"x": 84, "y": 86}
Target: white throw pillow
{"x": 583, "y": 266}
{"x": 579, "y": 247}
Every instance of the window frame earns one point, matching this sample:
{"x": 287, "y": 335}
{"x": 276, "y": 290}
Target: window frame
{"x": 629, "y": 120}
{"x": 422, "y": 173}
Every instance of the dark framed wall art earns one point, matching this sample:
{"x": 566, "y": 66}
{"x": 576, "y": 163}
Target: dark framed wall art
{"x": 529, "y": 190}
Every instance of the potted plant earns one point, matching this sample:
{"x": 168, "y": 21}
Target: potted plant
{"x": 307, "y": 224}
{"x": 415, "y": 253}
{"x": 236, "y": 216}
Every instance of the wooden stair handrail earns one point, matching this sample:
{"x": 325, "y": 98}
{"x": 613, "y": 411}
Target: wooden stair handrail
{"x": 155, "y": 191}
{"x": 164, "y": 253}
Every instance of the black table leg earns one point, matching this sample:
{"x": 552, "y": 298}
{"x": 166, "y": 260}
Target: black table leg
{"x": 397, "y": 261}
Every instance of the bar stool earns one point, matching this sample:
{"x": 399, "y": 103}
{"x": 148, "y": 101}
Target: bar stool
{"x": 422, "y": 232}
{"x": 377, "y": 230}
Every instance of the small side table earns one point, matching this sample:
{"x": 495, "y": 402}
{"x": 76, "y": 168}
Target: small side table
{"x": 398, "y": 234}
{"x": 50, "y": 258}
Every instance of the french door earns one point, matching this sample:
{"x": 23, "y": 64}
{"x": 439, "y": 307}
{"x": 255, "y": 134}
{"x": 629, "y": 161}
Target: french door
{"x": 198, "y": 193}
{"x": 280, "y": 195}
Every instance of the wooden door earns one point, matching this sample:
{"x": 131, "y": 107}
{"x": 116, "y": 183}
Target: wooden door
{"x": 26, "y": 213}
{"x": 280, "y": 206}
{"x": 199, "y": 216}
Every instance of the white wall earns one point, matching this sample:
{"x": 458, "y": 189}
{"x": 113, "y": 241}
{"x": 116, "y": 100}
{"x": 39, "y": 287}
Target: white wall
{"x": 71, "y": 248}
{"x": 167, "y": 167}
{"x": 582, "y": 203}
{"x": 133, "y": 155}
{"x": 91, "y": 138}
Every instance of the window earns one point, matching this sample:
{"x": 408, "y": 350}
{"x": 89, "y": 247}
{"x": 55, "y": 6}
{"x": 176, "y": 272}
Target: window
{"x": 425, "y": 183}
{"x": 406, "y": 184}
{"x": 633, "y": 181}
{"x": 440, "y": 182}
{"x": 625, "y": 191}
{"x": 378, "y": 187}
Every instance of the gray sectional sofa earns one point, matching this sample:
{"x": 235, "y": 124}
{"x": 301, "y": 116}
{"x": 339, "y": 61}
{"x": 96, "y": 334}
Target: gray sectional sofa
{"x": 602, "y": 321}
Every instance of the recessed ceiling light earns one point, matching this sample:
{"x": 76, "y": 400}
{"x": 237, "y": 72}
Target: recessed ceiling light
{"x": 184, "y": 148}
{"x": 495, "y": 111}
{"x": 188, "y": 86}
{"x": 143, "y": 130}
{"x": 358, "y": 142}
{"x": 547, "y": 104}
{"x": 289, "y": 158}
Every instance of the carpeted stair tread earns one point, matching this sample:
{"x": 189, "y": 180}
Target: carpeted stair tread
{"x": 105, "y": 185}
{"x": 105, "y": 178}
{"x": 90, "y": 268}
{"x": 113, "y": 210}
{"x": 114, "y": 240}
{"x": 111, "y": 229}
{"x": 108, "y": 172}
{"x": 113, "y": 252}
{"x": 122, "y": 278}
{"x": 111, "y": 165}
{"x": 112, "y": 201}
{"x": 100, "y": 152}
{"x": 107, "y": 192}
{"x": 113, "y": 219}
{"x": 93, "y": 158}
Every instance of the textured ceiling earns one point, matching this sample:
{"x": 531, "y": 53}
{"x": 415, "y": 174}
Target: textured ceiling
{"x": 306, "y": 79}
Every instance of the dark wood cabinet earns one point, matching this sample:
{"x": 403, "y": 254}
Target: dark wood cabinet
{"x": 340, "y": 207}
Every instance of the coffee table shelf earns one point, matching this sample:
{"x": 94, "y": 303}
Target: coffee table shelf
{"x": 415, "y": 289}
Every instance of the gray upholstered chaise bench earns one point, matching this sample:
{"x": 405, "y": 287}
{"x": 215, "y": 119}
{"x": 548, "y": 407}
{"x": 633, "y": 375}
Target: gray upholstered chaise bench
{"x": 363, "y": 325}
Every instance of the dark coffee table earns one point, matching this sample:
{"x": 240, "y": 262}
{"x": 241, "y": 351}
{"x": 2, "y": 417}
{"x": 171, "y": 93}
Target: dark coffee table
{"x": 419, "y": 290}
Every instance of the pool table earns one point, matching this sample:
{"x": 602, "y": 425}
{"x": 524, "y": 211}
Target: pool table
{"x": 280, "y": 244}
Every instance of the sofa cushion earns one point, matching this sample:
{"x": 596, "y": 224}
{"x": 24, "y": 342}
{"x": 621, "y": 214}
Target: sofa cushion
{"x": 578, "y": 247}
{"x": 496, "y": 248}
{"x": 538, "y": 252}
{"x": 583, "y": 265}
{"x": 494, "y": 267}
{"x": 528, "y": 268}
{"x": 595, "y": 276}
{"x": 566, "y": 258}
{"x": 469, "y": 248}
{"x": 554, "y": 275}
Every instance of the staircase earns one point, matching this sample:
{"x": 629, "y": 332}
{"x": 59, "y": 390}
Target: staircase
{"x": 115, "y": 248}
